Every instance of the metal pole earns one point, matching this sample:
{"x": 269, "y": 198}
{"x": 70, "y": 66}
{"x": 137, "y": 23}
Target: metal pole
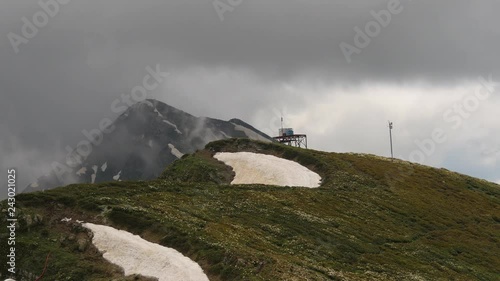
{"x": 282, "y": 126}
{"x": 390, "y": 136}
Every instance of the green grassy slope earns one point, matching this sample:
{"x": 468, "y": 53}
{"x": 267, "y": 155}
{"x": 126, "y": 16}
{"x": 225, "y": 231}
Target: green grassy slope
{"x": 372, "y": 219}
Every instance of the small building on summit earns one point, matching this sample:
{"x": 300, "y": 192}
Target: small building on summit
{"x": 289, "y": 137}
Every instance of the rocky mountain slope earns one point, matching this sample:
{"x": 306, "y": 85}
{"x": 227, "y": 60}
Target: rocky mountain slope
{"x": 147, "y": 137}
{"x": 371, "y": 219}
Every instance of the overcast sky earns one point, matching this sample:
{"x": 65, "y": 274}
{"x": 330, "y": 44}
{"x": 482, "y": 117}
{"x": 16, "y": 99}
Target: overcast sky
{"x": 257, "y": 60}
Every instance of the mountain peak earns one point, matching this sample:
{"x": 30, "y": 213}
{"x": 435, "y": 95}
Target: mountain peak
{"x": 146, "y": 138}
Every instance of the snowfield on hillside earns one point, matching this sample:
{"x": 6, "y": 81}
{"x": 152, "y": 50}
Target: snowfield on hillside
{"x": 173, "y": 125}
{"x": 254, "y": 168}
{"x": 175, "y": 151}
{"x": 117, "y": 176}
{"x": 138, "y": 256}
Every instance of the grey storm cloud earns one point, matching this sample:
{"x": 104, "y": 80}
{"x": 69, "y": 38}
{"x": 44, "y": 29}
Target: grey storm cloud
{"x": 64, "y": 78}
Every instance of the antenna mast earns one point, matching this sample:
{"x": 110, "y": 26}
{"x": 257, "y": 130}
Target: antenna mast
{"x": 282, "y": 123}
{"x": 390, "y": 136}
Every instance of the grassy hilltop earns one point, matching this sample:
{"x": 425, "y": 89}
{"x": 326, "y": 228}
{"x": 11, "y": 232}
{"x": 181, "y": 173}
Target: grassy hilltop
{"x": 372, "y": 219}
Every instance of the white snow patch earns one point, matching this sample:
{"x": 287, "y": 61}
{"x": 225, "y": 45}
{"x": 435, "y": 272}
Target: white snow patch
{"x": 117, "y": 176}
{"x": 159, "y": 114}
{"x": 138, "y": 256}
{"x": 175, "y": 151}
{"x": 82, "y": 171}
{"x": 225, "y": 135}
{"x": 104, "y": 166}
{"x": 66, "y": 219}
{"x": 93, "y": 176}
{"x": 251, "y": 134}
{"x": 253, "y": 168}
{"x": 34, "y": 184}
{"x": 173, "y": 125}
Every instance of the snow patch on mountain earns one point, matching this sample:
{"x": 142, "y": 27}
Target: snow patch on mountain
{"x": 251, "y": 134}
{"x": 82, "y": 171}
{"x": 138, "y": 256}
{"x": 117, "y": 176}
{"x": 173, "y": 125}
{"x": 104, "y": 166}
{"x": 94, "y": 175}
{"x": 254, "y": 168}
{"x": 225, "y": 135}
{"x": 175, "y": 151}
{"x": 157, "y": 112}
